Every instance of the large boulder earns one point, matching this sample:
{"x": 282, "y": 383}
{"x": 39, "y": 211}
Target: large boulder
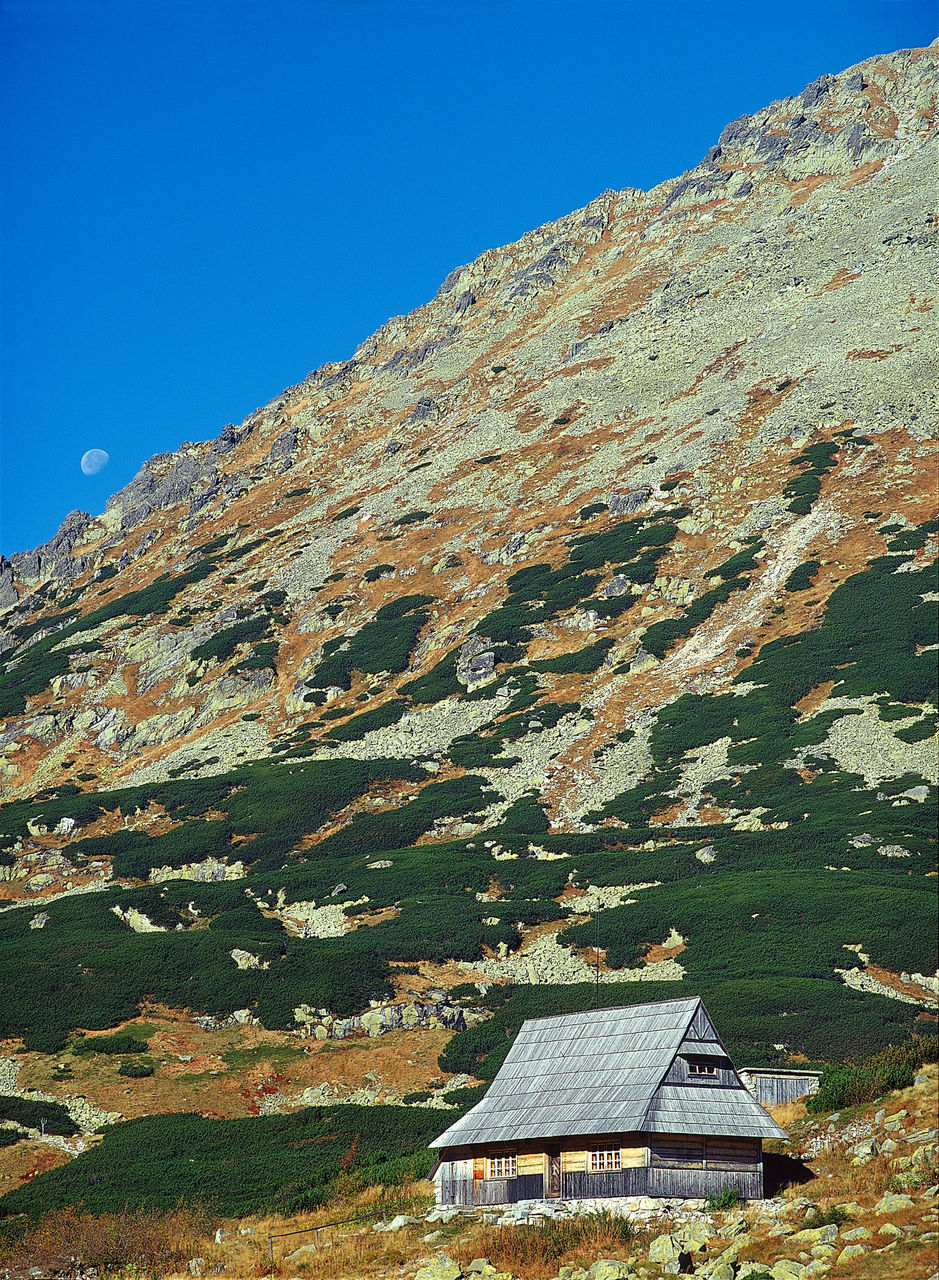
{"x": 610, "y": 1269}
{"x": 788, "y": 1269}
{"x": 891, "y": 1202}
{"x": 442, "y": 1268}
{"x": 814, "y": 1235}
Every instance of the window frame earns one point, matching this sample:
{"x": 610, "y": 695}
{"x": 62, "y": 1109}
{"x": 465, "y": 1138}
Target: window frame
{"x": 494, "y": 1166}
{"x": 596, "y": 1163}
{"x": 706, "y": 1069}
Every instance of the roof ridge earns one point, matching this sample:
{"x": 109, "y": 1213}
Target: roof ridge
{"x": 613, "y": 1008}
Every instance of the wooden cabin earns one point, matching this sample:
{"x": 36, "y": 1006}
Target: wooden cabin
{"x": 642, "y": 1100}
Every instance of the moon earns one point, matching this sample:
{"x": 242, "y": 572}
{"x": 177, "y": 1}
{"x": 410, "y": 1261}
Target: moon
{"x": 93, "y": 461}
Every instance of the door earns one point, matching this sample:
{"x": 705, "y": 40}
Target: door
{"x": 553, "y": 1180}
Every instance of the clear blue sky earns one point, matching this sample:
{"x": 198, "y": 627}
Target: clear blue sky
{"x": 205, "y": 199}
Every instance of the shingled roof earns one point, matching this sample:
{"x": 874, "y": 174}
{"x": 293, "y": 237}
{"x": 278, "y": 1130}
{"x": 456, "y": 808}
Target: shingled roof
{"x": 604, "y": 1071}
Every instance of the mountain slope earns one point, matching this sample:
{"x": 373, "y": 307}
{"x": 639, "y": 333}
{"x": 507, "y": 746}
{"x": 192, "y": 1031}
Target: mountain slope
{"x": 605, "y": 579}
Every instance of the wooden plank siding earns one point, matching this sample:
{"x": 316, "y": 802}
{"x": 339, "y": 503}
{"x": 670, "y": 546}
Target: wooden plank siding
{"x": 687, "y": 1151}
{"x": 771, "y": 1088}
{"x": 652, "y": 1181}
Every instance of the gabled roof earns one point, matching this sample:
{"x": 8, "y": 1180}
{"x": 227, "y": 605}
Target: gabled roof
{"x": 602, "y": 1071}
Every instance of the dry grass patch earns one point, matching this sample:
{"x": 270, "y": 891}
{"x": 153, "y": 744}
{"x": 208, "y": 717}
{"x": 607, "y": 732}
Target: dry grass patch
{"x": 161, "y": 1242}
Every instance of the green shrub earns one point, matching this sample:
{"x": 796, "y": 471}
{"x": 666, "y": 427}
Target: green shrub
{"x": 263, "y": 657}
{"x": 726, "y": 1198}
{"x": 817, "y": 460}
{"x": 136, "y": 1070}
{"x": 802, "y": 576}
{"x": 594, "y": 509}
{"x": 739, "y": 563}
{"x": 660, "y": 637}
{"x": 223, "y": 643}
{"x": 121, "y": 1042}
{"x": 582, "y": 662}
{"x": 384, "y": 644}
{"x": 377, "y": 571}
{"x": 436, "y": 684}
{"x": 263, "y": 1163}
{"x": 894, "y": 1067}
{"x": 384, "y": 715}
{"x": 919, "y": 732}
{"x": 50, "y": 1117}
{"x": 24, "y": 675}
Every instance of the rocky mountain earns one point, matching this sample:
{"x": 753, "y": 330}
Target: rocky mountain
{"x": 601, "y": 585}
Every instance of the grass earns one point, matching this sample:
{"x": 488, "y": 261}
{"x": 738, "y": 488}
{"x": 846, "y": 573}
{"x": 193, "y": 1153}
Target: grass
{"x": 538, "y": 1251}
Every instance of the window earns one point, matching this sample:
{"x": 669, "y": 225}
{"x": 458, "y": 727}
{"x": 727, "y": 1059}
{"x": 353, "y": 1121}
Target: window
{"x": 701, "y": 1069}
{"x": 502, "y": 1167}
{"x": 604, "y": 1159}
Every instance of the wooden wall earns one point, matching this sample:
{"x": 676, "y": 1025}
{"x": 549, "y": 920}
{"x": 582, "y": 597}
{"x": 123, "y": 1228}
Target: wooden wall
{"x": 770, "y": 1090}
{"x": 672, "y": 1165}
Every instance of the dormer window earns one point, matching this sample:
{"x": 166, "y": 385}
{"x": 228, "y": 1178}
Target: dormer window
{"x": 701, "y": 1069}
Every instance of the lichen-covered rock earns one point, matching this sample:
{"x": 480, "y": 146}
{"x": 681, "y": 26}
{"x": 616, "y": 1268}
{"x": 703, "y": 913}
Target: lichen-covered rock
{"x": 787, "y": 1269}
{"x": 610, "y": 1269}
{"x": 851, "y": 1251}
{"x": 442, "y": 1268}
{"x": 892, "y": 1202}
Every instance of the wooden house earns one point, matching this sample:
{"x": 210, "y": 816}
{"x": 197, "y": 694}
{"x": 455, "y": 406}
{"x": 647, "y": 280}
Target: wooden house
{"x": 642, "y": 1100}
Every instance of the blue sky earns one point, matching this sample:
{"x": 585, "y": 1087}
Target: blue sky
{"x": 204, "y": 200}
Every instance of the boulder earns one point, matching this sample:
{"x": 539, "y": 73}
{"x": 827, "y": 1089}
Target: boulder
{"x": 850, "y": 1251}
{"x": 695, "y": 1236}
{"x": 890, "y": 1230}
{"x": 891, "y": 1202}
{"x": 670, "y": 1253}
{"x": 856, "y": 1233}
{"x": 865, "y": 1151}
{"x": 442, "y": 1268}
{"x": 786, "y": 1269}
{"x": 402, "y": 1220}
{"x": 610, "y": 1269}
{"x": 814, "y": 1235}
{"x": 718, "y": 1270}
{"x": 304, "y": 1253}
